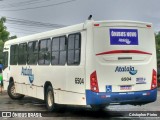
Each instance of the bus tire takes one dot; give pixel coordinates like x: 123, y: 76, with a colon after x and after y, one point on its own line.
x: 12, y: 94
x: 50, y: 99
x: 98, y: 107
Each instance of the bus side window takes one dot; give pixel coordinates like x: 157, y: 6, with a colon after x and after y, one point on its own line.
x: 44, y: 52
x: 22, y: 54
x: 74, y: 49
x: 58, y: 51
x: 32, y: 53
x: 14, y: 54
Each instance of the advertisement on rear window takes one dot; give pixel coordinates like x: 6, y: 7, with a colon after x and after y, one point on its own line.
x: 123, y: 36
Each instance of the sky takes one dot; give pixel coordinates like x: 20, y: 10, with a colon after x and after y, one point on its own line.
x: 25, y: 17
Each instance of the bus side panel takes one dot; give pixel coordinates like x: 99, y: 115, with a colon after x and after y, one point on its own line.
x: 62, y: 78
x: 75, y: 79
x: 39, y: 92
x: 5, y: 84
x: 71, y: 98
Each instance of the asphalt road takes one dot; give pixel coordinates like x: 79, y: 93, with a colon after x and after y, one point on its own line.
x: 74, y: 112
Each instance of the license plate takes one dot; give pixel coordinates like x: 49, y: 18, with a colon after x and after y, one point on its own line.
x: 126, y: 87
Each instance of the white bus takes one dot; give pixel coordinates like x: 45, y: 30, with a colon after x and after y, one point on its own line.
x: 95, y: 63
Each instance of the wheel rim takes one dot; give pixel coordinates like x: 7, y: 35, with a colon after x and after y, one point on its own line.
x: 50, y: 99
x: 13, y: 91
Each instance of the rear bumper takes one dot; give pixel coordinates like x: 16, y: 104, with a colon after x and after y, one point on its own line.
x: 135, y: 98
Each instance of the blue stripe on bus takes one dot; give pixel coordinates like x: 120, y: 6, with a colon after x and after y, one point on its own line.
x: 140, y: 97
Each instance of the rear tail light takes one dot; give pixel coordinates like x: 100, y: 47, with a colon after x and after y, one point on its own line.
x: 154, y: 79
x: 94, y: 82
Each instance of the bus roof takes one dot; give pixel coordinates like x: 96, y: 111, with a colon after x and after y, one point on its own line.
x: 51, y: 33
x: 73, y: 28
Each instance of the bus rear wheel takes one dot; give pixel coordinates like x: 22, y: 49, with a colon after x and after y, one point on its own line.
x: 50, y: 99
x: 12, y: 94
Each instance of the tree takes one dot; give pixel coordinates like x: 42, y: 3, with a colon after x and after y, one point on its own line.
x: 4, y: 35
